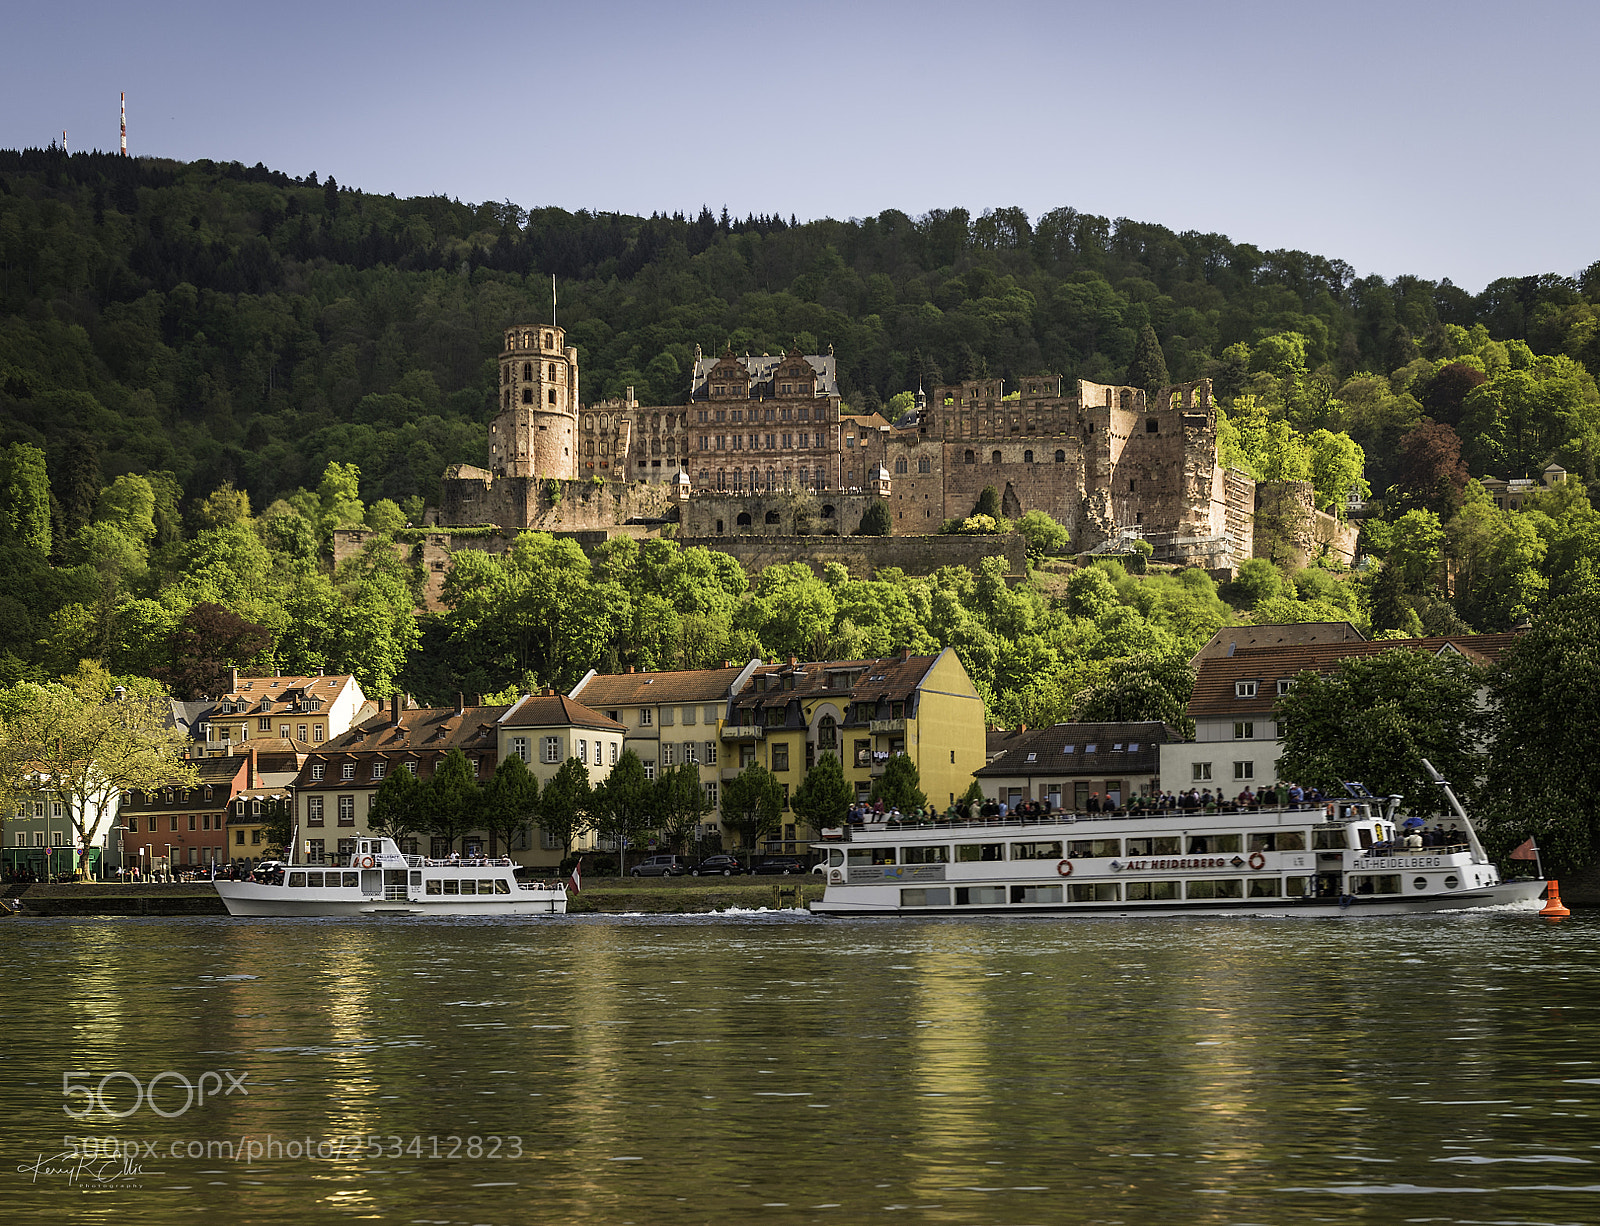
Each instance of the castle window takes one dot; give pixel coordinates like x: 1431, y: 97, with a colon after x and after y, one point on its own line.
x: 1027, y: 457
x: 552, y: 395
x: 547, y: 341
x: 743, y: 521
x: 527, y: 371
x: 508, y: 397
x: 527, y: 395
x: 970, y: 458
x: 1061, y: 457
x: 772, y: 517
x: 1152, y: 426
x: 900, y: 467
x: 995, y: 458
x: 552, y: 372
x: 827, y: 511
x: 1130, y: 485
x: 924, y: 465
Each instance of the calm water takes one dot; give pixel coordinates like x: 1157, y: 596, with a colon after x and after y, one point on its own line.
x: 780, y: 1069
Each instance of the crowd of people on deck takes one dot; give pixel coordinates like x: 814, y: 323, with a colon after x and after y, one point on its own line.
x: 1195, y: 800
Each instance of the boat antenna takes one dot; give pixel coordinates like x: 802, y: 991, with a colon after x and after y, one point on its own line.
x: 1455, y: 804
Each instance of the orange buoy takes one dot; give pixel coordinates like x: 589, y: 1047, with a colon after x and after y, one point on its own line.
x: 1553, y: 910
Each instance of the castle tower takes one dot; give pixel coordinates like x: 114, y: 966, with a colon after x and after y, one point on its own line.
x: 535, y: 432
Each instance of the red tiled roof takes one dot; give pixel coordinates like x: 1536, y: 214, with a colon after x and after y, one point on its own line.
x: 556, y: 711
x: 650, y: 689
x: 1095, y: 749
x: 1215, y: 696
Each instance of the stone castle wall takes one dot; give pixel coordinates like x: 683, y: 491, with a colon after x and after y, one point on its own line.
x: 862, y: 556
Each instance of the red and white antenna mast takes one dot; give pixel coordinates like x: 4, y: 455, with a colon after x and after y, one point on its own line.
x: 124, y: 98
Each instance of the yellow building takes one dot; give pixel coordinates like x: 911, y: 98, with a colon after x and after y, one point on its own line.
x: 304, y: 710
x: 867, y: 711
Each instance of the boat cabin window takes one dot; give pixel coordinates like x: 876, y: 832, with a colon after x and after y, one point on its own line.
x: 1043, y: 850
x: 452, y: 886
x: 1159, y: 845
x: 1094, y: 891
x: 1330, y: 838
x: 925, y: 855
x: 980, y: 853
x: 435, y: 886
x: 315, y: 879
x: 297, y: 880
x: 1264, y: 887
x: 1035, y: 893
x: 1278, y: 840
x: 469, y: 887
x: 1232, y: 888
x: 871, y: 855
x: 980, y: 895
x: 1364, y: 834
x: 1376, y: 883
x: 925, y: 898
x: 1079, y: 849
x: 835, y: 857
x: 350, y: 879
x: 1152, y: 891
x: 1214, y: 844
x: 502, y: 886
x: 1296, y: 887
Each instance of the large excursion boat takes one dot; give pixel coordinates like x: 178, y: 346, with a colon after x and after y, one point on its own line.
x: 381, y: 880
x: 1345, y: 857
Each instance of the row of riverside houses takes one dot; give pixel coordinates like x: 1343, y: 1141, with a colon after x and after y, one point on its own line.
x: 320, y: 745
x: 1239, y: 675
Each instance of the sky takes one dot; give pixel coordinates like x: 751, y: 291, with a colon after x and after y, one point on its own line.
x: 1402, y: 137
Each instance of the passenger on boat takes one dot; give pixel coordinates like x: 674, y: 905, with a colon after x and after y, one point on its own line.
x: 1296, y: 795
x: 1414, y: 841
x: 1247, y: 798
x: 1092, y: 805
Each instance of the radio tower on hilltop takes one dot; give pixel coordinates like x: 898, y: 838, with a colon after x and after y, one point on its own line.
x: 124, y: 98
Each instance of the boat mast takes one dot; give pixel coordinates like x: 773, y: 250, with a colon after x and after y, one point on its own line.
x: 1450, y: 794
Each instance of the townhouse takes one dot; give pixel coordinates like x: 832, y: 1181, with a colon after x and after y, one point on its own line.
x: 306, y: 710
x: 1064, y: 765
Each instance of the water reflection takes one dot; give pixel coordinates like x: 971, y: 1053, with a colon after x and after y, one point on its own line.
x: 694, y: 1069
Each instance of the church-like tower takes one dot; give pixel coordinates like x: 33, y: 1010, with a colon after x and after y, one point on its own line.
x: 535, y: 432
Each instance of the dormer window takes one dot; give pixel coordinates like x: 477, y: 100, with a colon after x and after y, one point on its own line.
x: 1285, y: 684
x: 1244, y: 689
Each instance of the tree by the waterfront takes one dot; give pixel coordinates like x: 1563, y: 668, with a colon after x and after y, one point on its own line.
x: 397, y: 807
x: 900, y: 785
x: 680, y: 805
x: 752, y: 805
x: 1544, y: 776
x: 624, y: 806
x: 1373, y: 718
x: 566, y: 803
x: 824, y: 795
x: 510, y: 803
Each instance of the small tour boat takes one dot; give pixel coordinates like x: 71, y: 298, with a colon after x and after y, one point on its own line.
x: 1343, y: 857
x: 381, y: 880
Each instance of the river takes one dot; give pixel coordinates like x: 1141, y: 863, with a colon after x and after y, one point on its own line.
x: 781, y: 1069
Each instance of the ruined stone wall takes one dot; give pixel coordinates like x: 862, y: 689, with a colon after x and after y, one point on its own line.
x: 471, y: 497
x: 1292, y: 533
x: 864, y: 555
x: 801, y: 514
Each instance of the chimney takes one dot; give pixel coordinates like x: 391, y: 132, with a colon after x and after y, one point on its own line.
x: 793, y: 661
x: 905, y: 654
x: 233, y: 684
x: 252, y: 776
x: 461, y: 703
x: 394, y: 710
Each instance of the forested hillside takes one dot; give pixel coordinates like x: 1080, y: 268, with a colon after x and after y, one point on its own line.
x: 204, y: 368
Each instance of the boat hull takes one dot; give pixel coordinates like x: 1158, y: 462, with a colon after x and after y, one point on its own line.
x: 1510, y: 895
x: 247, y: 898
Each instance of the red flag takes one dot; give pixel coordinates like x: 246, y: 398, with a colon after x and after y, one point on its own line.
x: 1524, y: 851
x: 577, y: 873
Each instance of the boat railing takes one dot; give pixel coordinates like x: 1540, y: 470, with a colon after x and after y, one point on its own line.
x: 1057, y: 817
x: 1380, y: 851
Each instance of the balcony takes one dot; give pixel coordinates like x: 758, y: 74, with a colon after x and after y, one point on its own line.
x: 743, y: 732
x: 887, y: 725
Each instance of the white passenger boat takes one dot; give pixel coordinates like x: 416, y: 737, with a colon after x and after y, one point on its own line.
x: 1345, y: 857
x: 381, y: 880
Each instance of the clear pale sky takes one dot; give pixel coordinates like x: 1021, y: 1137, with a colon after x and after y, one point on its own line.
x: 1439, y: 140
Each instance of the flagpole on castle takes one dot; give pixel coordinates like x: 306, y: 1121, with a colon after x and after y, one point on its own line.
x: 552, y: 300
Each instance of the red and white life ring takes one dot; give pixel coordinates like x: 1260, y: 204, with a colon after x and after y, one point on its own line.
x: 1257, y: 860
x: 1064, y: 868
x: 368, y: 862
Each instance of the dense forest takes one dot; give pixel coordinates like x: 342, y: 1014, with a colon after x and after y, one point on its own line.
x: 206, y: 367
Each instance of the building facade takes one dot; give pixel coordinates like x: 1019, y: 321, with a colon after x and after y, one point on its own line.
x: 1065, y: 765
x: 303, y: 710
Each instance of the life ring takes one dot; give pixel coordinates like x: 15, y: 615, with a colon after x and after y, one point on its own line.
x: 1064, y: 868
x: 368, y: 862
x: 1257, y: 860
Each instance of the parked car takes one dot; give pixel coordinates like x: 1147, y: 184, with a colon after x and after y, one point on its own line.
x: 780, y: 864
x: 723, y: 865
x: 661, y: 866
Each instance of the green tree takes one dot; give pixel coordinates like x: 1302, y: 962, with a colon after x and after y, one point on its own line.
x: 1545, y: 698
x: 1148, y: 369
x: 277, y: 827
x: 900, y: 785
x: 88, y: 739
x: 24, y: 498
x: 510, y: 802
x: 876, y: 521
x: 752, y: 807
x: 1044, y: 536
x: 450, y: 800
x: 680, y: 804
x: 398, y: 807
x: 624, y: 806
x: 1374, y: 717
x: 1138, y: 688
x: 988, y: 503
x: 824, y: 795
x: 224, y: 507
x: 566, y: 803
